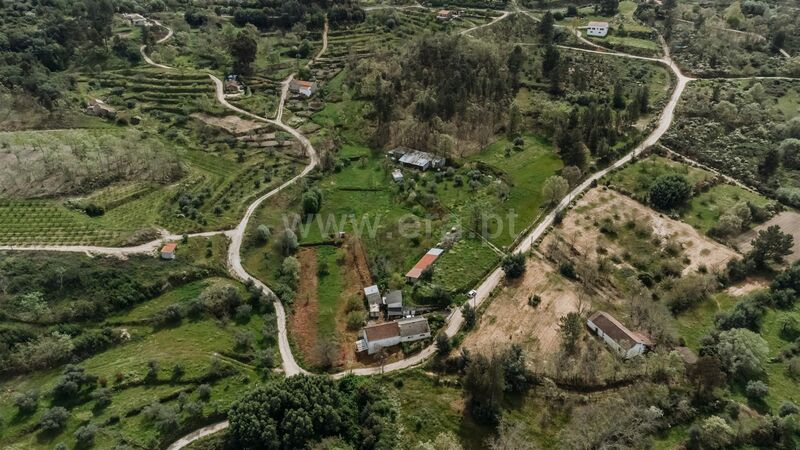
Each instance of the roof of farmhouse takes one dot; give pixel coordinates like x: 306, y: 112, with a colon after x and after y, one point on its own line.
x: 617, y: 331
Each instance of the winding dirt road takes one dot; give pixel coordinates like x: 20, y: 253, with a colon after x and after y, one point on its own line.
x: 160, y: 41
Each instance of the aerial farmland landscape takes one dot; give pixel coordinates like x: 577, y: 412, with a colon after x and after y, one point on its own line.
x: 399, y: 224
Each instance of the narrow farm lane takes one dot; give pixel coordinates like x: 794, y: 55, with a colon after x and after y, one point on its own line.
x: 488, y: 24
x: 143, y: 48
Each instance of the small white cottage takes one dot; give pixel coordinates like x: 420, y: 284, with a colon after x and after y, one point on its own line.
x: 622, y: 340
x: 598, y: 29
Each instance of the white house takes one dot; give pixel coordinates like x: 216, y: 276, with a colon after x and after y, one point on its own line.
x: 397, y: 175
x: 599, y: 29
x: 444, y: 15
x: 388, y: 334
x: 374, y: 300
x: 624, y: 341
x: 136, y: 20
x: 306, y: 88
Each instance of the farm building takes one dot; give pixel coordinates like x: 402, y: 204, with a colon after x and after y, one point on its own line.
x: 599, y: 29
x: 388, y: 334
x: 136, y: 20
x: 444, y: 15
x: 397, y: 175
x: 233, y: 85
x: 306, y: 88
x: 426, y: 261
x: 394, y: 304
x: 168, y: 250
x: 374, y: 300
x: 624, y: 341
x: 417, y: 159
x: 99, y: 108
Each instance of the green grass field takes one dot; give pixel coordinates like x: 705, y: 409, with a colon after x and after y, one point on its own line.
x: 527, y: 171
x: 705, y: 208
x: 329, y: 291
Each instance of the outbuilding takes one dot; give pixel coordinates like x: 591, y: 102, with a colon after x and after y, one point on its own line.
x: 394, y: 304
x: 168, y: 250
x: 444, y: 15
x: 622, y: 340
x: 598, y: 29
x: 426, y: 261
x: 374, y: 301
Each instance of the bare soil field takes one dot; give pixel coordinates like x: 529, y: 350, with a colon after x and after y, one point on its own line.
x: 233, y: 124
x: 747, y: 286
x: 303, y: 320
x: 788, y: 221
x: 579, y: 229
x: 509, y: 319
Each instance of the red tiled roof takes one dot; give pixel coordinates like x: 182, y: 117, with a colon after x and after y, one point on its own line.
x: 169, y: 248
x: 303, y: 83
x: 424, y: 263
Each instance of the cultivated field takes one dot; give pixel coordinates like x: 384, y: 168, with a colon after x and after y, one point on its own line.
x: 581, y: 230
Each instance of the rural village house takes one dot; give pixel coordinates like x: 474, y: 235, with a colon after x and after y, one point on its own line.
x: 99, y: 108
x: 376, y: 337
x: 168, y: 250
x: 305, y: 88
x: 136, y: 20
x: 624, y: 341
x: 599, y: 29
x: 444, y: 15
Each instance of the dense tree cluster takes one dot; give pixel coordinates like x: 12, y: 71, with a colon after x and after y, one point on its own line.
x: 285, y: 14
x: 299, y: 411
x: 39, y: 40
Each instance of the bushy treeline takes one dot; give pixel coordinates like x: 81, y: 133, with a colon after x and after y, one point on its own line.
x: 297, y: 412
x: 286, y: 14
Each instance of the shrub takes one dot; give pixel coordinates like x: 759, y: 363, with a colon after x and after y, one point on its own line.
x: 355, y: 319
x: 788, y: 408
x: 443, y: 345
x: 756, y: 390
x: 669, y: 191
x: 102, y: 398
x: 54, y: 419
x: 204, y: 392
x: 567, y: 269
x: 27, y: 402
x: 243, y: 313
x: 514, y: 265
x: 534, y: 300
x: 84, y: 436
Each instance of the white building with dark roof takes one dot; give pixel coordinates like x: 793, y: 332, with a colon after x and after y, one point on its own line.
x: 388, y: 334
x: 625, y: 342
